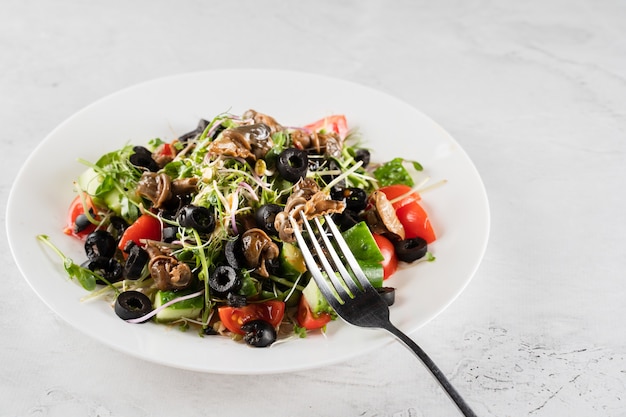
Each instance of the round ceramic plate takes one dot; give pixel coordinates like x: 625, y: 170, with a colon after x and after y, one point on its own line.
x: 168, y: 107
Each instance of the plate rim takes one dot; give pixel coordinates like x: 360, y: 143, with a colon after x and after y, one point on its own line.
x: 135, y: 87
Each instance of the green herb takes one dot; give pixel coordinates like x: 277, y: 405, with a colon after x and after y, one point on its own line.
x: 86, y: 277
x: 118, y: 181
x: 394, y: 172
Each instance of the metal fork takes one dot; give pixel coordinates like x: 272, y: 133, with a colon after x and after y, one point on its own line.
x: 352, y: 296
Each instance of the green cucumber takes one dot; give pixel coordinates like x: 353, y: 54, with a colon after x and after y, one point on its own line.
x: 190, y: 308
x: 291, y: 261
x: 315, y: 299
x: 364, y: 248
x: 90, y: 182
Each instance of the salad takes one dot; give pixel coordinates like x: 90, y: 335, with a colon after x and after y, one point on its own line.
x: 196, y: 231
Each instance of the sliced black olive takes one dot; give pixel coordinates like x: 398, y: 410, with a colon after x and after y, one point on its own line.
x: 236, y: 300
x: 410, y: 250
x: 346, y: 219
x: 388, y: 294
x: 265, y: 216
x: 137, y: 260
x: 132, y: 305
x: 117, y: 226
x: 355, y: 198
x: 362, y: 155
x: 110, y: 269
x: 170, y: 208
x: 234, y: 253
x: 100, y: 243
x: 259, y: 333
x: 333, y: 166
x: 128, y: 246
x: 170, y: 234
x: 316, y: 161
x: 225, y: 279
x: 202, y: 124
x: 272, y: 265
x: 143, y: 158
x: 197, y: 217
x: 292, y: 164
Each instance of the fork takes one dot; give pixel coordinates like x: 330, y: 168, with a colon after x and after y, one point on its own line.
x: 352, y: 296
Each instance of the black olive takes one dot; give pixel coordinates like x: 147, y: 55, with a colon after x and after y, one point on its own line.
x: 334, y: 166
x: 170, y: 208
x: 265, y: 216
x: 110, y: 269
x: 225, y: 279
x: 409, y: 250
x: 292, y: 164
x: 362, y: 155
x: 143, y: 158
x: 132, y: 305
x: 234, y: 253
x: 259, y: 333
x: 272, y: 265
x: 217, y: 131
x: 197, y: 217
x: 236, y: 300
x: 388, y: 294
x: 346, y: 219
x: 355, y: 198
x: 316, y: 161
x: 128, y: 246
x: 100, y: 244
x: 170, y: 234
x: 81, y: 222
x: 117, y: 226
x: 202, y: 124
x: 137, y: 260
x: 209, y: 331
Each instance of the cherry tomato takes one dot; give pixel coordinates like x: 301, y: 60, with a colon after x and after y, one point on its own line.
x: 145, y: 227
x: 415, y: 221
x: 233, y: 318
x: 390, y: 260
x: 308, y: 320
x: 336, y: 123
x: 400, y: 195
x: 78, y: 209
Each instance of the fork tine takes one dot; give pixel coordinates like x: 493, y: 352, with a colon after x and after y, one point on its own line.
x: 321, y: 255
x: 351, y: 284
x: 348, y: 255
x: 324, y: 286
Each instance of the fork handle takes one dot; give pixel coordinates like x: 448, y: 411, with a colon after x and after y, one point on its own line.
x: 434, y: 370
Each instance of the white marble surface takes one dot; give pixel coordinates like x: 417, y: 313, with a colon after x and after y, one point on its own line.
x: 534, y: 91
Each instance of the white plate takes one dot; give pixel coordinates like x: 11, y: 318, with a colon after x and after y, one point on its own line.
x: 171, y: 106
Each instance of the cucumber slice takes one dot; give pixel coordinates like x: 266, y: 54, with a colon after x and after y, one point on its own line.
x: 315, y: 299
x: 90, y: 182
x: 291, y: 261
x: 190, y: 308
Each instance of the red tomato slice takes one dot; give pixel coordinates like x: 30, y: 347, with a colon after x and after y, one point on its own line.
x: 400, y: 195
x: 145, y: 227
x: 308, y: 320
x: 76, y: 209
x: 336, y: 123
x: 415, y: 221
x: 390, y: 260
x: 233, y: 318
